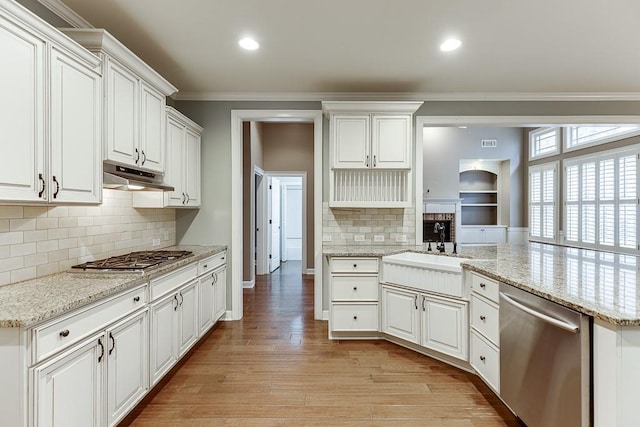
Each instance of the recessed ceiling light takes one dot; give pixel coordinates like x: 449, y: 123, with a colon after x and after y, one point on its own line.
x: 248, y: 43
x: 450, y: 44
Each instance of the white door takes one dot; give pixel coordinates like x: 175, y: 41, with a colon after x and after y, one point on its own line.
x: 292, y: 210
x: 68, y: 389
x: 22, y: 173
x: 187, y: 317
x: 127, y: 365
x: 163, y: 354
x: 76, y: 144
x: 274, y: 223
x: 152, y: 117
x: 400, y: 315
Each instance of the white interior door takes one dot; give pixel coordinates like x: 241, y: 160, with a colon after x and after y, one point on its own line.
x: 274, y: 223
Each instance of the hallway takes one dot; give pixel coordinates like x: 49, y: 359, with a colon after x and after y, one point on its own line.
x: 276, y: 367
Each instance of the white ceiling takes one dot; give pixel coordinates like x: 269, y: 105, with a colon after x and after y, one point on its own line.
x: 364, y: 46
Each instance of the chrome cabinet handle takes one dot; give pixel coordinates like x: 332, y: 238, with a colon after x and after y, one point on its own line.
x: 137, y: 156
x: 101, y: 350
x: 113, y: 343
x: 144, y: 158
x: 483, y: 318
x: 64, y: 333
x: 44, y: 185
x: 57, y: 187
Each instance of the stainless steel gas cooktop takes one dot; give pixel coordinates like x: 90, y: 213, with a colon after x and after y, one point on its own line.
x: 134, y: 261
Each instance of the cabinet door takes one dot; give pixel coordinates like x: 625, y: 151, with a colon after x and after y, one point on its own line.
x: 68, y: 389
x: 163, y: 351
x: 152, y: 117
x: 471, y: 235
x: 174, y: 174
x: 391, y: 142
x: 22, y: 167
x: 187, y: 317
x: 495, y: 235
x: 192, y: 168
x: 220, y: 299
x: 207, y: 295
x: 445, y: 326
x: 351, y: 142
x: 121, y: 115
x: 127, y: 365
x: 76, y: 144
x: 400, y: 314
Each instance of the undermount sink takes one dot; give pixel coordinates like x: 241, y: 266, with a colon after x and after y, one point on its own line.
x: 429, y: 261
x: 428, y: 272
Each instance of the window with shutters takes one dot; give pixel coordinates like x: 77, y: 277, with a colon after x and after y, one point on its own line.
x: 601, y: 200
x: 544, y: 142
x: 543, y: 197
x: 576, y: 137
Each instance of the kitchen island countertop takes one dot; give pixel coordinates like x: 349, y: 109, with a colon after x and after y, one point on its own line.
x: 600, y: 284
x: 27, y: 303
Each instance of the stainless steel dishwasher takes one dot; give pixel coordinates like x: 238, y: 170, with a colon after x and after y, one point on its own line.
x: 545, y: 360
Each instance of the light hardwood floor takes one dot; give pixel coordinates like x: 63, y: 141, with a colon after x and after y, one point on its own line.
x: 276, y: 367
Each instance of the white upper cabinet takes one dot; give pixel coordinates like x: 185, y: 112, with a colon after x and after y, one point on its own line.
x: 135, y: 97
x: 182, y: 169
x: 50, y: 115
x: 351, y: 146
x: 368, y: 135
x: 76, y: 157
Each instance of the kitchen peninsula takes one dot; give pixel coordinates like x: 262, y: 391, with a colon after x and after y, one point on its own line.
x: 599, y: 284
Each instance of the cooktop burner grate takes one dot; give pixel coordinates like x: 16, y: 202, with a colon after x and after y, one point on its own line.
x: 133, y: 261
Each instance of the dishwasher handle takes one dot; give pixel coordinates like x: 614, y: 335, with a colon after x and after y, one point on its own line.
x: 555, y: 322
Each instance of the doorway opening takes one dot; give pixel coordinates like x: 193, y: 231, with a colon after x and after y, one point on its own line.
x: 281, y: 222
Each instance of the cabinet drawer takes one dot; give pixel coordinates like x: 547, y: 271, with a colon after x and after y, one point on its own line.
x: 209, y: 264
x: 354, y: 288
x: 354, y: 265
x: 354, y: 317
x: 484, y: 286
x: 169, y: 282
x: 56, y: 335
x: 484, y: 317
x: 485, y: 359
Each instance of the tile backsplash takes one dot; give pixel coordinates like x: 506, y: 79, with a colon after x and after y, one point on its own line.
x: 344, y: 225
x: 37, y: 241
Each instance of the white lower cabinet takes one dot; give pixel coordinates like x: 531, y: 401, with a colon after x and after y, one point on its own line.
x: 213, y: 298
x: 433, y: 322
x: 220, y: 299
x: 68, y: 389
x: 174, y: 328
x: 127, y: 365
x: 485, y: 330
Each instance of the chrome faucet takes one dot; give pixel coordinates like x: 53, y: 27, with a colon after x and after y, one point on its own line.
x: 439, y: 228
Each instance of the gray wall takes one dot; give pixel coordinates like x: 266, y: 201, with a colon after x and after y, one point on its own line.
x: 445, y: 146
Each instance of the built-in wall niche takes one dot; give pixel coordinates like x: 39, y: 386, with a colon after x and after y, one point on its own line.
x: 484, y: 189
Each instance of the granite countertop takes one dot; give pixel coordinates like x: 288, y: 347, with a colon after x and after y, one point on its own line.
x: 27, y: 303
x: 600, y: 284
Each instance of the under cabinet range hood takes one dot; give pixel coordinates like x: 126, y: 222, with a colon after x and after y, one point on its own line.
x: 124, y: 178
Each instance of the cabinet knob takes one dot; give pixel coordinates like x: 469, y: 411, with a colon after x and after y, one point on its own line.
x: 483, y: 318
x: 355, y: 317
x: 205, y: 266
x: 355, y: 265
x: 355, y: 288
x: 482, y: 285
x: 483, y: 358
x: 64, y: 333
x: 136, y: 299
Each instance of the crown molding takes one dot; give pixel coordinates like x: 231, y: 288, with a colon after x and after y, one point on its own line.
x: 399, y: 96
x: 66, y: 13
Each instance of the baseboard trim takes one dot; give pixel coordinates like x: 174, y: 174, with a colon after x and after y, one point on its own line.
x: 310, y: 271
x: 325, y: 314
x: 249, y: 284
